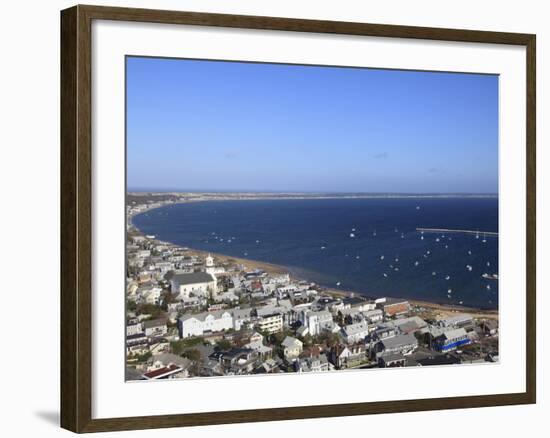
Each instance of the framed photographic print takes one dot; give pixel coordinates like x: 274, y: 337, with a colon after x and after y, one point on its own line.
x: 270, y: 218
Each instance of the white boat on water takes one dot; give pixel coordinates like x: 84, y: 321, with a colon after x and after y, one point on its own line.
x: 385, y: 275
x: 469, y: 267
x: 447, y: 278
x: 381, y: 257
x: 437, y: 239
x: 338, y: 284
x: 416, y: 263
x: 421, y: 237
x: 418, y: 207
x: 351, y: 235
x: 433, y: 273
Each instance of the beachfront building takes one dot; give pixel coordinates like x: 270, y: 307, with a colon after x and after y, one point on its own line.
x: 464, y: 320
x: 393, y: 306
x: 200, y: 284
x: 201, y: 323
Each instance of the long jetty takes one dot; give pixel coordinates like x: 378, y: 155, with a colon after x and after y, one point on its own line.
x: 445, y: 230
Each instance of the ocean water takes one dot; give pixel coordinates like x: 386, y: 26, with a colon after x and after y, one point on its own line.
x: 386, y: 256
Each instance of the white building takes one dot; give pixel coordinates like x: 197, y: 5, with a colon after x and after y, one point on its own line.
x: 271, y: 323
x: 211, y: 268
x: 355, y: 332
x: 198, y: 324
x: 200, y: 284
x: 316, y: 322
x: 292, y: 347
x: 151, y: 296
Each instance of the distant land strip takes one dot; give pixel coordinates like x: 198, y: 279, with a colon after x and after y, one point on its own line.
x: 446, y: 230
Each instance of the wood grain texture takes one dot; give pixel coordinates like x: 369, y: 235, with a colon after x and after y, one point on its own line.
x: 76, y: 219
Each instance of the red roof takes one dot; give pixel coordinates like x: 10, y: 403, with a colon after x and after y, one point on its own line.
x: 163, y: 372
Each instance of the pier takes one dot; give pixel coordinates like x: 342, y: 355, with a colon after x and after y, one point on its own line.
x: 445, y: 230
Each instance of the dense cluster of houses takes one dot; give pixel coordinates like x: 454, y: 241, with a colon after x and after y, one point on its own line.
x: 190, y: 315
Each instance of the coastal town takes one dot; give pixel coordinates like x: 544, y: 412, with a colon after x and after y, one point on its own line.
x: 191, y: 314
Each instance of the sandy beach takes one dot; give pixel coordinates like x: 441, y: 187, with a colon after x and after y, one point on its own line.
x: 252, y: 265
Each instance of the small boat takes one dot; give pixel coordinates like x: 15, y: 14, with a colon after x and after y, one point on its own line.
x: 353, y: 229
x: 357, y: 257
x: 418, y: 207
x: 434, y: 273
x: 381, y: 257
x: 447, y: 277
x: 396, y: 259
x: 490, y: 276
x: 469, y: 267
x: 396, y: 230
x: 488, y: 287
x: 351, y: 235
x: 338, y: 284
x: 449, y: 291
x: 446, y: 246
x: 257, y: 241
x: 416, y: 263
x: 385, y: 275
x: 488, y: 263
x: 437, y: 239
x: 374, y: 233
x: 421, y: 237
x: 323, y: 247
x: 245, y: 253
x: 460, y: 302
x: 428, y: 252
x: 469, y: 252
x: 402, y: 236
x: 391, y: 266
x: 396, y: 269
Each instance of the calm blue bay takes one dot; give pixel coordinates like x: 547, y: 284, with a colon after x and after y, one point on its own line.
x: 370, y: 246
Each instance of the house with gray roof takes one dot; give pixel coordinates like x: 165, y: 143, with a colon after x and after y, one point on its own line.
x: 199, y: 284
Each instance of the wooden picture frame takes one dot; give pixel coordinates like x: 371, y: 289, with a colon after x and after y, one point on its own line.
x: 76, y: 217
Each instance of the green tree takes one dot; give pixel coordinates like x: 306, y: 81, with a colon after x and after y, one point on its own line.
x: 223, y: 345
x: 192, y: 354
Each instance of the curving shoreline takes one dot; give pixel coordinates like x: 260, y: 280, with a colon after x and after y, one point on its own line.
x: 272, y: 268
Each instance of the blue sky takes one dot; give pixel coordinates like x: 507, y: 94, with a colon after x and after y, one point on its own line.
x: 214, y: 125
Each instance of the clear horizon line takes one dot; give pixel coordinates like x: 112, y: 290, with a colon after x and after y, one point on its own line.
x: 308, y: 192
